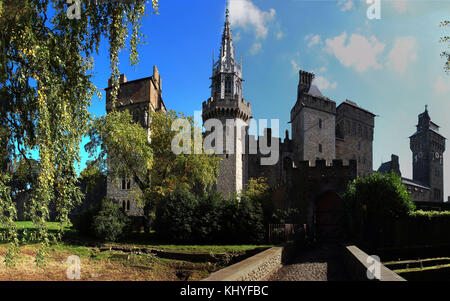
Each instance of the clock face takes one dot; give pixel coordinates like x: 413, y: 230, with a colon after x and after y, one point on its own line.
x: 436, y: 155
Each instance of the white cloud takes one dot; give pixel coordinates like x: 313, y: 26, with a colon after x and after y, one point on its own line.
x: 295, y: 66
x: 255, y: 48
x: 400, y: 5
x: 324, y: 84
x: 313, y: 39
x: 360, y: 52
x: 280, y: 35
x: 442, y: 86
x: 244, y: 13
x: 345, y: 5
x: 237, y: 36
x: 403, y: 52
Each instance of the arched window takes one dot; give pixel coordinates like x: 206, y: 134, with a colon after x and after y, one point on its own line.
x: 228, y: 85
x: 123, y: 205
x: 128, y: 205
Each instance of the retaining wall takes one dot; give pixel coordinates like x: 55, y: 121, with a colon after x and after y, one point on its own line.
x: 257, y: 267
x: 357, y: 266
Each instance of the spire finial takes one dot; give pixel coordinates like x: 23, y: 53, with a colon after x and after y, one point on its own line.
x: 227, y: 11
x: 426, y: 107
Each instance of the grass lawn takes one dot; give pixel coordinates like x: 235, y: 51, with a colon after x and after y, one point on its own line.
x: 100, y: 266
x: 52, y: 226
x: 113, y: 265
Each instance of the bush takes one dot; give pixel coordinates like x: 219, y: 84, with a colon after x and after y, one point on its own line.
x: 243, y: 221
x: 206, y: 224
x: 83, y: 221
x: 110, y: 223
x: 258, y: 191
x: 186, y: 217
x: 175, y: 216
x: 374, y: 201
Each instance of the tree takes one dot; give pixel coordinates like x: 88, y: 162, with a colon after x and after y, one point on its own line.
x: 46, y: 87
x: 24, y: 175
x: 371, y: 201
x: 258, y: 191
x: 125, y: 149
x: 91, y: 176
x: 446, y: 54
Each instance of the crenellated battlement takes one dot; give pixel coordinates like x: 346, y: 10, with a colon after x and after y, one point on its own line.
x: 319, y: 103
x: 213, y: 108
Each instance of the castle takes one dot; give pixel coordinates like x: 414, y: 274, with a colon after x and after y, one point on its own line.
x: 330, y: 145
x: 427, y: 146
x: 320, y: 130
x: 139, y: 97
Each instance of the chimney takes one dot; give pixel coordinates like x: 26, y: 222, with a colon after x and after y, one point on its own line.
x: 395, y: 165
x: 122, y: 79
x: 305, y: 81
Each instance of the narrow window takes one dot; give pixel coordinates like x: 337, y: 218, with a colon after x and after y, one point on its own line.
x: 320, y: 123
x: 128, y: 205
x: 123, y: 205
x: 359, y: 145
x: 128, y: 184
x: 123, y: 184
x: 320, y: 148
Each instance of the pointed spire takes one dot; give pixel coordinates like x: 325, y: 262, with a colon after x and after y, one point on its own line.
x: 227, y: 72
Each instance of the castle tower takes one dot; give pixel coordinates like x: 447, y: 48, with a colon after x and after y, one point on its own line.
x: 139, y: 97
x: 227, y: 105
x: 313, y: 122
x: 354, y: 136
x: 428, y: 147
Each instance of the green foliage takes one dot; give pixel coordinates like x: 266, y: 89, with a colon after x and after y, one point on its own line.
x: 175, y: 218
x: 131, y: 152
x: 25, y: 174
x: 91, y: 176
x: 110, y: 223
x: 372, y: 200
x: 242, y: 221
x: 190, y: 171
x: 46, y: 88
x: 8, y: 214
x: 83, y: 222
x: 257, y: 191
x: 187, y: 217
x: 446, y: 54
x: 429, y: 214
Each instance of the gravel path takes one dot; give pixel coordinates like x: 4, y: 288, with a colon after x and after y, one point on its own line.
x: 318, y: 264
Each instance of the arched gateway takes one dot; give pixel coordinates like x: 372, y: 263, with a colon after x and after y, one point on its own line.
x: 328, y: 217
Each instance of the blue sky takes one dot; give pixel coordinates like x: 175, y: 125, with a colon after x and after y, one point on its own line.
x: 389, y: 66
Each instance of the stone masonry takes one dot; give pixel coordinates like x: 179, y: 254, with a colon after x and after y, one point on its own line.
x: 139, y: 97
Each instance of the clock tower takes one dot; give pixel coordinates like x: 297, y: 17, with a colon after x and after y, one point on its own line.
x: 428, y: 147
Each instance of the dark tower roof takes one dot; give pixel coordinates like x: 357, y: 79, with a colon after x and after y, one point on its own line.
x: 424, y: 123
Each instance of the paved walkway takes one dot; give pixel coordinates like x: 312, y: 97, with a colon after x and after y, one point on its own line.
x: 321, y: 263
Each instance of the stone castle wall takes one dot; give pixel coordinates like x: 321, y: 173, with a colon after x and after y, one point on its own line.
x: 354, y: 141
